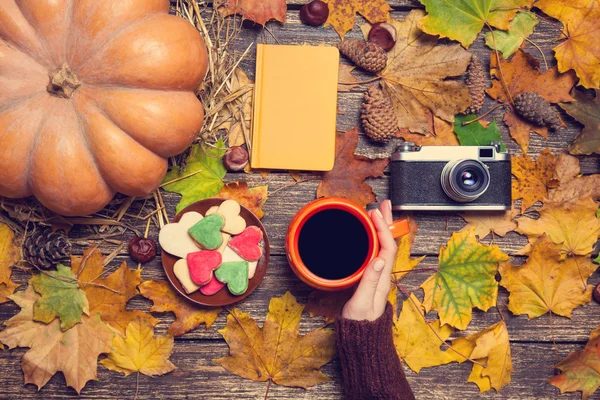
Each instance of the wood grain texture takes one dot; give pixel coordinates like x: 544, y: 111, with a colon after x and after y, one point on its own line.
x: 197, y: 377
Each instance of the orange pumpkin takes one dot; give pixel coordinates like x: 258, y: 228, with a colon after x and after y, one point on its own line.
x: 95, y: 95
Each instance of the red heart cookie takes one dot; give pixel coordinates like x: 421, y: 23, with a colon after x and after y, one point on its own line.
x: 201, y: 265
x: 246, y: 243
x: 211, y: 287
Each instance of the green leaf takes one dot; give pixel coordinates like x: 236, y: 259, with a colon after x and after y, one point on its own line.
x: 509, y: 41
x: 204, y: 174
x: 475, y: 134
x: 466, y: 278
x: 60, y: 297
x: 462, y: 20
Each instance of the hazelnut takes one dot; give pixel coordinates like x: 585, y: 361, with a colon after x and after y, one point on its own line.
x: 314, y: 13
x: 597, y: 293
x: 236, y: 158
x: 384, y: 35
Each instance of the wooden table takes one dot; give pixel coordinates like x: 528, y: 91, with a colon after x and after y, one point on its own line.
x: 197, y: 376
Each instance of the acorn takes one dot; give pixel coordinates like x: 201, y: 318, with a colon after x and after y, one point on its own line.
x: 314, y: 13
x: 383, y: 35
x: 236, y: 158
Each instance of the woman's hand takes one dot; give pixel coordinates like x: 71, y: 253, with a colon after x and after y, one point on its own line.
x: 370, y: 298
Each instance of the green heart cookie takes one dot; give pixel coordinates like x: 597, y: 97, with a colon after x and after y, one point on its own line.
x: 207, y: 231
x: 235, y: 275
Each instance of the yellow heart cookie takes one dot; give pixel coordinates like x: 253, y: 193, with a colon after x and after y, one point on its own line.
x: 230, y: 210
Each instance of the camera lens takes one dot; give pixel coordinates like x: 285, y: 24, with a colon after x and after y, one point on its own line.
x: 465, y: 180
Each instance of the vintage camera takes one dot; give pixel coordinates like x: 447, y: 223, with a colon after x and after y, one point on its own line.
x: 450, y: 178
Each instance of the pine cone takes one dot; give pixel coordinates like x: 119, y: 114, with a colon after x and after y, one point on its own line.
x: 44, y: 248
x: 369, y: 56
x: 536, y: 110
x: 378, y: 115
x: 476, y: 84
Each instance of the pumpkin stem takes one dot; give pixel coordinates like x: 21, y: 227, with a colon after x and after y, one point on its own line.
x: 63, y: 82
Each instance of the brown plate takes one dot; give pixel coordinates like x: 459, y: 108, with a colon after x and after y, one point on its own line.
x: 223, y: 297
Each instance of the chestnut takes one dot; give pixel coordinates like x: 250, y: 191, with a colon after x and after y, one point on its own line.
x: 236, y: 158
x: 142, y: 250
x: 384, y: 35
x: 597, y: 293
x: 314, y: 13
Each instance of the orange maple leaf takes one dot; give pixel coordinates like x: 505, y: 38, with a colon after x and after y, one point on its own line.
x: 441, y: 133
x: 342, y: 13
x: 522, y: 74
x: 347, y: 178
x: 251, y: 198
x: 534, y: 178
x: 259, y: 11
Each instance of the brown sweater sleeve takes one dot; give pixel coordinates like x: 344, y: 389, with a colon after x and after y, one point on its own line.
x: 371, y: 368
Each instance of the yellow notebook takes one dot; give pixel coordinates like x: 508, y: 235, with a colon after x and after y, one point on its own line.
x: 295, y: 107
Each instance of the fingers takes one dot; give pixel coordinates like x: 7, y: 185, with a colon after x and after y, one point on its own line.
x: 369, y: 282
x: 386, y: 211
x: 386, y: 240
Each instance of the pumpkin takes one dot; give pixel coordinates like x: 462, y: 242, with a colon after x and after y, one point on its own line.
x: 95, y: 95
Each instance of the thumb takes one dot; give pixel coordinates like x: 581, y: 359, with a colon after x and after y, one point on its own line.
x: 368, y: 284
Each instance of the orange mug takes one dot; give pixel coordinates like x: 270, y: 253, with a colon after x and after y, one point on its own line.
x: 398, y: 228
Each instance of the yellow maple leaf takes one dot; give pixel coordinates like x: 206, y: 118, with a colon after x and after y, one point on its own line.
x: 108, y: 295
x: 276, y: 352
x: 534, y: 178
x: 415, y: 340
x: 546, y: 283
x: 573, y: 226
x: 486, y: 222
x: 139, y: 351
x: 9, y: 255
x: 491, y: 349
x: 581, y: 49
x: 73, y: 352
x: 342, y: 13
x: 187, y: 316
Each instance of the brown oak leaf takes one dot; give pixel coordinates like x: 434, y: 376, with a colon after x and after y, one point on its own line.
x: 533, y: 178
x: 259, y: 11
x: 342, y: 13
x: 108, y: 295
x: 9, y: 255
x: 346, y: 81
x: 327, y: 304
x: 587, y: 111
x: 347, y: 178
x: 74, y: 352
x: 251, y: 198
x: 187, y: 315
x: 570, y: 185
x: 522, y: 74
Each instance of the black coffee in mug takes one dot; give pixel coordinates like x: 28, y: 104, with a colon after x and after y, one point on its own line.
x: 333, y: 244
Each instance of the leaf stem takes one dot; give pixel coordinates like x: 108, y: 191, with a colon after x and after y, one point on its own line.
x: 292, y: 184
x: 531, y: 42
x: 268, y: 387
x: 415, y: 270
x: 499, y: 65
x: 482, y: 115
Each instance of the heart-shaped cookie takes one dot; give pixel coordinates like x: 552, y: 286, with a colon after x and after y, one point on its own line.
x: 235, y: 275
x: 246, y: 243
x: 174, y: 237
x: 230, y: 210
x: 181, y: 271
x: 212, y: 287
x: 201, y: 265
x: 230, y: 255
x: 207, y: 231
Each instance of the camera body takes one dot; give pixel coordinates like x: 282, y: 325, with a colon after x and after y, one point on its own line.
x: 454, y: 178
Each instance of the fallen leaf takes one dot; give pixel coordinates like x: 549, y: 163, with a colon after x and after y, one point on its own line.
x: 522, y: 74
x: 346, y: 81
x: 491, y: 348
x: 485, y: 222
x: 416, y: 340
x: 509, y: 41
x: 581, y: 369
x: 533, y: 178
x: 60, y: 297
x: 440, y: 133
x: 187, y: 315
x: 546, y: 283
x: 109, y: 295
x: 342, y: 13
x: 347, y: 178
x: 572, y: 226
x: 9, y: 255
x: 587, y: 111
x: 327, y: 304
x: 251, y: 198
x: 202, y: 176
x: 259, y: 11
x: 570, y: 186
x: 140, y: 351
x: 581, y: 49
x: 236, y: 116
x: 74, y: 352
x: 475, y: 134
x: 417, y: 74
x: 462, y: 21
x: 276, y: 352
x: 403, y: 263
x: 465, y: 279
